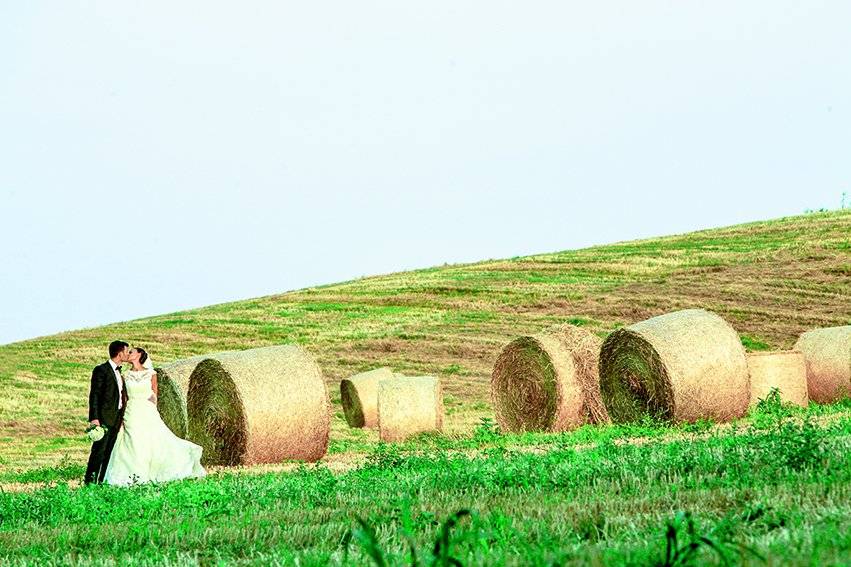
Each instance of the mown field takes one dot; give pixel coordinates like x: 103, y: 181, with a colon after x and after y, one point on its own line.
x: 772, y: 488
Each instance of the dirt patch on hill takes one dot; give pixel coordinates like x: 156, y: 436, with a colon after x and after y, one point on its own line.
x: 775, y: 299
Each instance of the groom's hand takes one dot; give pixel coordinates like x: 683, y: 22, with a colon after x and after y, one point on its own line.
x: 95, y: 422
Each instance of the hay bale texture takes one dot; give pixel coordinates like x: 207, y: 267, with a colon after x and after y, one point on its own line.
x: 784, y: 370
x: 408, y: 405
x: 548, y: 382
x: 828, y: 355
x: 172, y: 390
x: 681, y: 366
x: 262, y: 405
x: 359, y: 396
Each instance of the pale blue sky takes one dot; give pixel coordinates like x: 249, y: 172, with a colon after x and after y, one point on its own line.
x: 158, y: 156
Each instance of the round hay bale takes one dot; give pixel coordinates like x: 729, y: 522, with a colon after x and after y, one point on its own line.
x: 408, y: 405
x: 681, y: 366
x: 359, y: 396
x: 172, y: 389
x: 548, y: 382
x: 828, y: 355
x: 784, y: 370
x: 262, y: 405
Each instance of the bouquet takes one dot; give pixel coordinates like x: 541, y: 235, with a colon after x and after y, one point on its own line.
x: 96, y: 432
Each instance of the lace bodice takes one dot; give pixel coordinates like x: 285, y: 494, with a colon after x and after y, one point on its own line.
x: 138, y: 384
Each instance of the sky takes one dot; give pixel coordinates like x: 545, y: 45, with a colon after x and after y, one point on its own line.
x: 161, y: 156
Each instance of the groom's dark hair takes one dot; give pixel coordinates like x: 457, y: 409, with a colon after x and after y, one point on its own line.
x: 116, y: 347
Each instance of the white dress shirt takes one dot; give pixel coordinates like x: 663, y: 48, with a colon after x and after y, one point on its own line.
x: 117, y: 380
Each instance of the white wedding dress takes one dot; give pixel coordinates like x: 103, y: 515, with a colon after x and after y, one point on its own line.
x: 146, y: 450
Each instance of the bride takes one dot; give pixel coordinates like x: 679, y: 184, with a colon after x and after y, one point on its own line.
x: 146, y: 450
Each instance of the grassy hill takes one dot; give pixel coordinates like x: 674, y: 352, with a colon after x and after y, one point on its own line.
x: 770, y: 279
x: 773, y: 488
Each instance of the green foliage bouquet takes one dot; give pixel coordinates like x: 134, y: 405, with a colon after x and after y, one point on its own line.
x: 96, y: 432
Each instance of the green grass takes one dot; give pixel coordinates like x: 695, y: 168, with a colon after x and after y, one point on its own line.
x: 753, y: 344
x: 782, y: 492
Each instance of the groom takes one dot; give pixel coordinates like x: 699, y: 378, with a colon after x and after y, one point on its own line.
x: 107, y: 398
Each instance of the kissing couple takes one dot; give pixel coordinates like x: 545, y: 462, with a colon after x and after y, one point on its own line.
x: 138, y: 446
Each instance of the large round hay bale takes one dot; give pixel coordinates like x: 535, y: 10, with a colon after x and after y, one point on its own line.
x: 681, y: 366
x: 359, y: 396
x: 828, y: 355
x: 172, y: 389
x: 262, y: 405
x: 784, y: 370
x: 548, y: 382
x: 408, y: 405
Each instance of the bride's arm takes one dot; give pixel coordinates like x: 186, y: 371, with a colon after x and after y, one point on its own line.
x: 153, y: 399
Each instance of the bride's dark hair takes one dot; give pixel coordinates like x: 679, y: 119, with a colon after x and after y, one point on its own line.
x: 144, y: 356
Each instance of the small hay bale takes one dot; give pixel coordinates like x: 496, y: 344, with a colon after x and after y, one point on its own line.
x: 548, y: 382
x: 262, y: 405
x: 828, y: 355
x: 172, y: 389
x: 784, y: 370
x: 359, y: 396
x: 681, y: 366
x: 408, y: 405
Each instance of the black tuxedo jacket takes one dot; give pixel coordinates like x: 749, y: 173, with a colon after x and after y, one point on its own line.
x: 103, y: 397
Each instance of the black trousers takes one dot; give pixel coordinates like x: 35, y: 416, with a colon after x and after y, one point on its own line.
x: 99, y: 457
